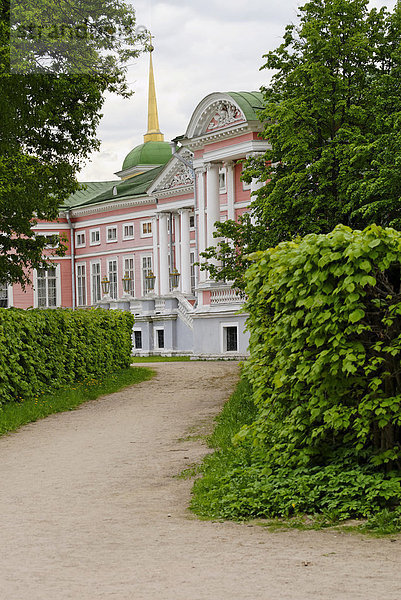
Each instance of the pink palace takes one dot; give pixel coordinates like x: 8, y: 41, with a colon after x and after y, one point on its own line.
x: 142, y: 233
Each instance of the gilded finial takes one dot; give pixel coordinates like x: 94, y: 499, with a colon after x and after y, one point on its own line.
x: 153, y: 134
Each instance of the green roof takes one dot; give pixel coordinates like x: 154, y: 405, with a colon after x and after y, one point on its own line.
x: 149, y: 153
x: 134, y: 186
x: 87, y: 191
x: 249, y: 102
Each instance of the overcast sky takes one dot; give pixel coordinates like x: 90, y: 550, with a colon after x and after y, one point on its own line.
x: 201, y: 46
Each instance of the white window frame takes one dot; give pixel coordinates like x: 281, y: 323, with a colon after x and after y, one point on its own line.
x: 110, y: 228
x: 78, y: 265
x: 143, y: 290
x: 223, y: 188
x: 48, y: 234
x: 80, y: 244
x: 95, y: 262
x: 129, y: 237
x: 130, y: 257
x: 146, y: 235
x: 109, y: 260
x: 92, y: 243
x: 192, y: 227
x: 58, y: 287
x: 223, y: 337
x: 156, y: 337
x: 137, y: 329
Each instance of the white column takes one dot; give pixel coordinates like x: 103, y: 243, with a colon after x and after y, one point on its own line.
x: 185, y: 250
x: 213, y: 201
x: 155, y: 261
x: 163, y: 252
x: 177, y: 243
x: 230, y: 184
x: 200, y: 181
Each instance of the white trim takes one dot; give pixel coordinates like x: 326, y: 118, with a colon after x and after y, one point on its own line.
x: 81, y: 264
x: 95, y: 262
x: 110, y: 206
x: 110, y: 228
x: 146, y: 235
x: 233, y: 152
x: 10, y: 296
x: 80, y: 244
x: 142, y: 256
x: 128, y: 237
x: 97, y: 229
x: 157, y: 328
x: 223, y: 348
x: 116, y: 219
x: 128, y: 257
x: 43, y: 226
x: 114, y: 251
x: 58, y: 287
x: 137, y: 329
x: 245, y: 204
x: 174, y: 206
x: 109, y: 260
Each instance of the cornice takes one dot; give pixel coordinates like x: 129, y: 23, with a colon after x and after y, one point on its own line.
x: 114, y: 205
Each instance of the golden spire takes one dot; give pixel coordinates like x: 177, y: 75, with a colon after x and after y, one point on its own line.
x: 153, y: 134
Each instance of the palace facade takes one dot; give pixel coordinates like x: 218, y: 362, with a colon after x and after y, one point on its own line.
x: 141, y: 234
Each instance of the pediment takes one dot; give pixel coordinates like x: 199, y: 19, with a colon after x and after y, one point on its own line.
x: 176, y: 178
x: 225, y: 114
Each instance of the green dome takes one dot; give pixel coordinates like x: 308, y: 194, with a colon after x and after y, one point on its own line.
x: 150, y: 153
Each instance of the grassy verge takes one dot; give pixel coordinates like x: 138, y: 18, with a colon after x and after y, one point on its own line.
x: 150, y: 359
x: 14, y: 415
x: 232, y: 482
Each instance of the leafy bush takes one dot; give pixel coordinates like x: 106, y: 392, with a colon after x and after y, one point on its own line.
x: 325, y: 349
x: 45, y: 349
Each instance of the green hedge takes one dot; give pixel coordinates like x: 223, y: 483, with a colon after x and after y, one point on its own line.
x: 45, y: 349
x: 325, y: 369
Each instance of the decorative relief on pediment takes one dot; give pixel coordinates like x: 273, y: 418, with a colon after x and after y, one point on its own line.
x: 225, y: 114
x: 181, y: 177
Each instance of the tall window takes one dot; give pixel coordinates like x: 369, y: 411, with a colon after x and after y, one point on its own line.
x: 96, y: 285
x: 111, y: 234
x: 129, y: 268
x: 192, y: 263
x: 146, y: 228
x: 4, y: 296
x: 113, y: 278
x: 146, y: 269
x: 81, y: 284
x: 47, y: 287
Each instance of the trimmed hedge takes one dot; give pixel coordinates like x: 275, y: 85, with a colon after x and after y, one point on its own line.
x: 45, y: 349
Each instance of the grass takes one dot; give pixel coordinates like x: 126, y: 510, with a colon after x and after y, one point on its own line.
x: 150, y: 359
x: 210, y: 496
x: 14, y: 415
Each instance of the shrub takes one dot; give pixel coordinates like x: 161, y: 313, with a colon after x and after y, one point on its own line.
x: 325, y: 348
x: 45, y: 349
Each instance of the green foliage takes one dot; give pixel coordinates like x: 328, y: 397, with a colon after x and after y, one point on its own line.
x: 15, y: 414
x: 51, y: 94
x: 332, y: 116
x: 46, y: 349
x: 325, y: 350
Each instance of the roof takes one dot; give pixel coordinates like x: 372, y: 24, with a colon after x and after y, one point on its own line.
x: 249, y: 102
x: 135, y: 186
x: 149, y: 153
x: 88, y: 191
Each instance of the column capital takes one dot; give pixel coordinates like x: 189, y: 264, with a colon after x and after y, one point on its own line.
x: 229, y: 163
x: 162, y: 215
x: 200, y: 170
x: 209, y: 166
x: 185, y: 210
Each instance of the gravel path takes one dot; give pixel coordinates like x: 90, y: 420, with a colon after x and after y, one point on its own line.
x: 90, y: 510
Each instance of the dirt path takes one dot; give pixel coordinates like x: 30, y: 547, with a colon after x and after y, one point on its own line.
x: 90, y: 509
